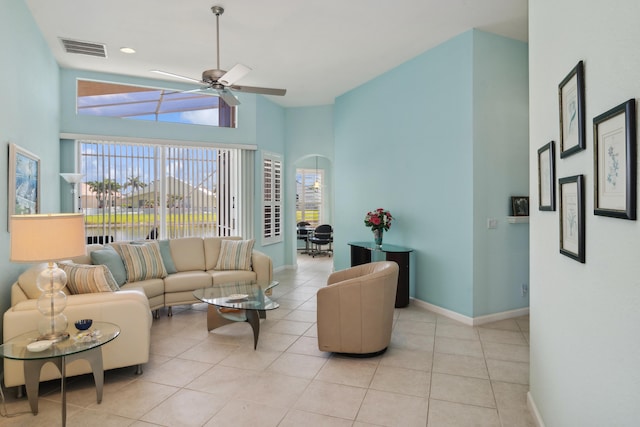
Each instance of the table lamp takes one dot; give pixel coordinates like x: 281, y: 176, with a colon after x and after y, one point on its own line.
x: 48, y: 238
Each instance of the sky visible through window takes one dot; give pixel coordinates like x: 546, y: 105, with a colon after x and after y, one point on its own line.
x: 152, y: 104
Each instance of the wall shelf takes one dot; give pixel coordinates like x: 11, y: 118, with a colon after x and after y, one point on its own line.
x: 518, y: 219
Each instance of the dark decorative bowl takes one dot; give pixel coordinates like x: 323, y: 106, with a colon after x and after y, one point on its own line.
x: 84, y: 324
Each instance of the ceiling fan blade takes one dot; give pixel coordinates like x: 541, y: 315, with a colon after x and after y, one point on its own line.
x: 178, y: 76
x: 259, y: 90
x: 233, y: 75
x: 228, y: 97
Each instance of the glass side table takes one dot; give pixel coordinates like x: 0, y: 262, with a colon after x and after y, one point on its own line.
x: 85, y: 345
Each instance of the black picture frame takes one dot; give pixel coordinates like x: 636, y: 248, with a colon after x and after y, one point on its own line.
x: 547, y: 177
x: 614, y: 162
x: 572, y: 217
x: 572, y: 112
x: 520, y: 205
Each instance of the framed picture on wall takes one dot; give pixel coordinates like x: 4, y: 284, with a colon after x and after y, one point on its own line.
x: 24, y: 183
x: 572, y: 121
x: 547, y: 177
x: 615, y: 166
x: 572, y: 216
x: 520, y: 205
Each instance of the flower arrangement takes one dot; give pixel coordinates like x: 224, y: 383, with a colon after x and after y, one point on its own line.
x: 378, y: 219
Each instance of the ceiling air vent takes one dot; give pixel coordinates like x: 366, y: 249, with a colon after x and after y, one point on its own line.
x: 84, y: 48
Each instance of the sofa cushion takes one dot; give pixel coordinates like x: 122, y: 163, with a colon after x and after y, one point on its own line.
x: 167, y: 259
x: 142, y: 261
x: 28, y: 281
x: 187, y: 281
x: 109, y: 257
x: 86, y: 258
x: 235, y: 255
x: 86, y: 278
x: 188, y: 253
x: 212, y: 249
x: 229, y: 276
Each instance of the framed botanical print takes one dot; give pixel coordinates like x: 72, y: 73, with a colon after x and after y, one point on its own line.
x: 572, y: 227
x: 24, y: 183
x: 572, y: 121
x: 615, y: 165
x: 547, y: 177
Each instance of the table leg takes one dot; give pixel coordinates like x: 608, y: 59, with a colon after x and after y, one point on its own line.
x: 253, y: 318
x: 63, y: 391
x: 94, y: 357
x: 32, y: 377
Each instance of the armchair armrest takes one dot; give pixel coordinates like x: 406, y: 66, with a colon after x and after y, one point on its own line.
x: 263, y: 267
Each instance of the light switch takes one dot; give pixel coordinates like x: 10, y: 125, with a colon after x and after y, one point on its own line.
x: 492, y: 223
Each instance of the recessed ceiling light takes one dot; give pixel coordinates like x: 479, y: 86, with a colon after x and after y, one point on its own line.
x: 127, y: 50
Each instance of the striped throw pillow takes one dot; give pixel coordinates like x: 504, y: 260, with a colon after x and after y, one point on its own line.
x: 142, y: 261
x: 235, y: 255
x: 87, y: 279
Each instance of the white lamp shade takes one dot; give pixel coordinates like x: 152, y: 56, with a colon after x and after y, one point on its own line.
x: 72, y: 178
x: 47, y: 237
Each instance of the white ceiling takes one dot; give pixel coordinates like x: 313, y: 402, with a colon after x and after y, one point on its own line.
x: 316, y: 50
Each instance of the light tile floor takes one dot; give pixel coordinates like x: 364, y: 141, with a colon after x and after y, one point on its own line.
x: 436, y: 372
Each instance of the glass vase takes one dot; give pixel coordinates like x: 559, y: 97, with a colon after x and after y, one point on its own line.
x: 377, y: 236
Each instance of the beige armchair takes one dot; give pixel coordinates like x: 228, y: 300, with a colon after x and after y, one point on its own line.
x: 355, y: 310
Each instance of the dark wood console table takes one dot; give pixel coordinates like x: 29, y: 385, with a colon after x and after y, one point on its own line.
x: 361, y: 254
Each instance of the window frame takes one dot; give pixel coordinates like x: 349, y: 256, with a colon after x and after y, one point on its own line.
x: 272, y: 204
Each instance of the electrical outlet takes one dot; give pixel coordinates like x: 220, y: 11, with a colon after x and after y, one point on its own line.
x: 524, y: 290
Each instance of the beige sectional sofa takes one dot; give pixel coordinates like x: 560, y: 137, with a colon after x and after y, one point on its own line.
x: 194, y: 266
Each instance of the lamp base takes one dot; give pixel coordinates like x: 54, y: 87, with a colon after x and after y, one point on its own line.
x: 54, y: 337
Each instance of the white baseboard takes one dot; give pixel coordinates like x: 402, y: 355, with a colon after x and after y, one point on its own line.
x: 481, y: 320
x: 443, y: 311
x: 533, y: 409
x: 472, y: 321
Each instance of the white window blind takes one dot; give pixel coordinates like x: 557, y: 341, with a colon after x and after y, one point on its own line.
x: 142, y: 191
x: 309, y: 196
x: 271, y: 198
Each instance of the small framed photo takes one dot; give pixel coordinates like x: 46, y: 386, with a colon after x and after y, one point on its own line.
x: 572, y: 121
x: 572, y: 217
x: 547, y: 177
x: 24, y: 183
x: 615, y: 166
x: 520, y: 205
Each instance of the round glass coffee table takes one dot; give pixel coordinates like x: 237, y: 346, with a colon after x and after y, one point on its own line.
x: 237, y: 302
x: 81, y: 345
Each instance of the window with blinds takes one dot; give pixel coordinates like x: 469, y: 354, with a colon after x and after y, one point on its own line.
x: 138, y: 191
x: 309, y: 196
x: 272, y: 198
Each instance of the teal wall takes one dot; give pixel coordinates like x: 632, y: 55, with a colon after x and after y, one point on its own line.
x: 308, y: 133
x: 500, y: 156
x: 29, y: 117
x: 270, y: 121
x: 404, y: 143
x: 414, y: 141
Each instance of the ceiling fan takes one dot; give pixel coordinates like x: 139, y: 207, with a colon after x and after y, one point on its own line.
x: 221, y: 81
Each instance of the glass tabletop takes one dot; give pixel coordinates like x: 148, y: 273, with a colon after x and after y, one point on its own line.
x: 238, y: 295
x: 99, y: 334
